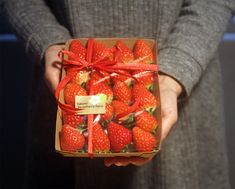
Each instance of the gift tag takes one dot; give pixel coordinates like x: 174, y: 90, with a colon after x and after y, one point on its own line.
x: 92, y: 104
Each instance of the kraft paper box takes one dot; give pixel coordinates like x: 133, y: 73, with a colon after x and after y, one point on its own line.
x: 110, y: 42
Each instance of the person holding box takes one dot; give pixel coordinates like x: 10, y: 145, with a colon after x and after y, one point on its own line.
x: 188, y: 33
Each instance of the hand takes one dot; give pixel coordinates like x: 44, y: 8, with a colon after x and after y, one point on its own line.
x: 53, y: 66
x: 124, y: 161
x: 170, y: 89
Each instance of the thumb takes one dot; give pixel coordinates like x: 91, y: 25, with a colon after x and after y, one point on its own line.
x: 52, y: 75
x: 52, y: 66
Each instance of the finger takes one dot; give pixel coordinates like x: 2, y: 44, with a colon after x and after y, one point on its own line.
x: 122, y: 161
x: 118, y: 161
x: 138, y: 161
x: 109, y: 161
x: 168, y: 122
x: 52, y: 75
x: 52, y: 82
x: 53, y: 66
x: 169, y: 111
x: 57, y: 64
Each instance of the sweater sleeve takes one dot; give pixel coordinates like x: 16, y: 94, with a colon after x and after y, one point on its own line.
x: 194, y: 40
x: 35, y: 25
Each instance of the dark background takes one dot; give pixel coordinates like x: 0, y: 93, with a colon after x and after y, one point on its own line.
x: 16, y: 72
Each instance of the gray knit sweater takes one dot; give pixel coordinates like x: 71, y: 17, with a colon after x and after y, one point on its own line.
x: 188, y: 33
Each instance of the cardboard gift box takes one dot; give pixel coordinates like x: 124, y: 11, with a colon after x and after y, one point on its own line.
x: 87, y: 151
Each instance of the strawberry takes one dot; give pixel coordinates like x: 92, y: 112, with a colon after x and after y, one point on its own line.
x: 71, y: 90
x: 108, y: 113
x: 71, y: 139
x: 122, y: 92
x: 103, y: 88
x: 119, y: 77
x: 142, y: 50
x: 143, y: 140
x: 119, y: 136
x: 123, y: 53
x: 100, y: 139
x: 147, y: 100
x: 145, y: 78
x: 81, y: 77
x: 121, y: 107
x: 77, y: 48
x: 74, y: 120
x: 100, y: 51
x: 145, y: 121
x: 101, y: 76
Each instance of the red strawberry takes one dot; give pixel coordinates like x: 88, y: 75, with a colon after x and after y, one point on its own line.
x: 143, y: 140
x: 71, y: 139
x: 103, y: 88
x: 71, y: 90
x: 122, y: 92
x: 119, y: 77
x: 77, y: 48
x: 108, y: 113
x: 123, y: 53
x: 119, y: 136
x: 145, y: 78
x: 121, y: 107
x: 101, y: 76
x: 81, y: 77
x: 142, y: 50
x: 100, y: 140
x: 147, y: 100
x: 100, y: 51
x: 145, y: 121
x: 73, y: 120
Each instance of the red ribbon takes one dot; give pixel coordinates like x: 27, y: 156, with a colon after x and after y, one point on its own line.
x: 76, y: 63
